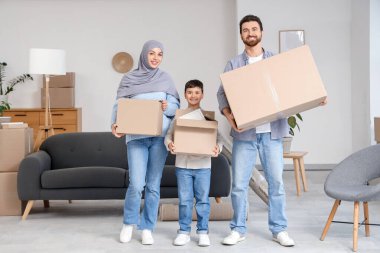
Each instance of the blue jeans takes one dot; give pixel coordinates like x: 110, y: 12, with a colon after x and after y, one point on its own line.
x: 146, y: 160
x: 193, y: 182
x: 244, y: 155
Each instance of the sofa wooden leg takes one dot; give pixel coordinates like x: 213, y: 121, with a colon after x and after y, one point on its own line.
x: 218, y: 200
x: 329, y: 220
x: 27, y: 209
x: 46, y: 203
x: 366, y: 218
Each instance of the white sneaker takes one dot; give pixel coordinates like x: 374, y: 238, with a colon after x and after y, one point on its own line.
x: 233, y: 238
x: 146, y: 237
x: 126, y: 233
x: 204, y: 240
x: 284, y: 239
x: 181, y: 239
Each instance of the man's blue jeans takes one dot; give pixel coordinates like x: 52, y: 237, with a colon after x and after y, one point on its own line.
x: 146, y: 160
x: 193, y: 182
x: 244, y: 155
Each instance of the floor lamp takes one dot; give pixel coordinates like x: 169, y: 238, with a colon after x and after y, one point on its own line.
x: 46, y: 62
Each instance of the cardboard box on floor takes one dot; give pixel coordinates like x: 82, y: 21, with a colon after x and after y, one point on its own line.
x: 64, y: 81
x: 274, y: 88
x: 9, y: 201
x: 15, y: 144
x: 195, y: 137
x: 139, y: 116
x: 59, y: 97
x: 377, y: 129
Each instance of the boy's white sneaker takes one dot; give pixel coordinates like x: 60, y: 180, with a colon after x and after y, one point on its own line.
x: 181, y: 239
x: 146, y: 237
x: 233, y: 238
x: 284, y: 239
x: 204, y: 240
x: 126, y: 233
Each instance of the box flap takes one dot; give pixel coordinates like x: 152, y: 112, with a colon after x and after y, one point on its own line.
x: 206, y: 124
x: 209, y: 115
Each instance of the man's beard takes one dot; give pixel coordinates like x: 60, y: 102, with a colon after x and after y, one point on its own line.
x: 252, y: 43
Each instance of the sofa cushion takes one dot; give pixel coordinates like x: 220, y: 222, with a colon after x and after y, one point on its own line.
x: 84, y: 177
x: 169, y: 179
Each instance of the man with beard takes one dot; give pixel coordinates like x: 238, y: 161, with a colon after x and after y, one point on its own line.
x: 264, y: 140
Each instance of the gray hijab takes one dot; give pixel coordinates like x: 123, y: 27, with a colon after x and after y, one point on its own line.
x: 145, y: 79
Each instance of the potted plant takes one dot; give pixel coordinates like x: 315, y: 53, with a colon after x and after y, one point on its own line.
x: 7, y: 87
x: 292, y: 122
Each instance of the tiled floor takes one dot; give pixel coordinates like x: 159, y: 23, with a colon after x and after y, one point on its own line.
x: 93, y: 226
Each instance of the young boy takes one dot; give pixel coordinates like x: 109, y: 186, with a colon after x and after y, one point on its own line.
x: 193, y: 178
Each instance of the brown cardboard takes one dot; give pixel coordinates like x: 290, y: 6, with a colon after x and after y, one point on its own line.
x: 15, y: 144
x: 138, y: 116
x: 9, y: 201
x: 274, y: 88
x: 59, y: 97
x: 64, y: 81
x: 195, y: 137
x: 377, y: 129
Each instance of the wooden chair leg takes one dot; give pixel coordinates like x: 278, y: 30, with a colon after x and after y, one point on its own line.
x: 27, y: 209
x: 366, y: 218
x: 46, y: 203
x: 329, y: 220
x: 303, y: 174
x: 356, y: 226
x: 296, y: 175
x: 218, y: 200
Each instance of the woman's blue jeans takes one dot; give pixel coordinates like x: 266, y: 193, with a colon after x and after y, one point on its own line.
x: 146, y: 160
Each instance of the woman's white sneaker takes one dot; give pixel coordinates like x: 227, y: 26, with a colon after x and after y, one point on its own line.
x: 284, y: 239
x: 204, y: 240
x: 233, y: 238
x: 146, y: 237
x: 126, y: 233
x: 181, y: 239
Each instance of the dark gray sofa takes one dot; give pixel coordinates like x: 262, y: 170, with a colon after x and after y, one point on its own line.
x: 93, y: 165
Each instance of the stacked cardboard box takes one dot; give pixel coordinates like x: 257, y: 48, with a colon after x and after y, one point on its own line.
x: 61, y: 91
x: 15, y: 144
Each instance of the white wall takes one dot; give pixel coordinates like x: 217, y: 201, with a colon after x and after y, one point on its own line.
x: 196, y: 35
x: 326, y: 131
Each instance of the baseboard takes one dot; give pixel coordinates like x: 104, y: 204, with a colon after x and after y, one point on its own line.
x: 315, y: 167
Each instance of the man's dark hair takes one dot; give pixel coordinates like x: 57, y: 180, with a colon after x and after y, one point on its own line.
x: 194, y: 83
x: 249, y: 18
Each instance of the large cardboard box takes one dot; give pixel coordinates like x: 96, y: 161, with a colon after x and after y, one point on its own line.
x: 15, y: 144
x: 377, y: 130
x: 9, y: 201
x: 59, y: 97
x: 195, y: 137
x: 139, y: 116
x: 274, y: 88
x: 64, y: 81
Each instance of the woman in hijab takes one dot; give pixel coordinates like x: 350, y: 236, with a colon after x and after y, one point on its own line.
x: 146, y: 154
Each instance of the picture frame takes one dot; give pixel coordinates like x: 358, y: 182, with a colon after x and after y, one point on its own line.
x: 289, y: 39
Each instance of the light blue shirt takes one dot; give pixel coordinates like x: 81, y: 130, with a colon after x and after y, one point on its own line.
x: 169, y: 113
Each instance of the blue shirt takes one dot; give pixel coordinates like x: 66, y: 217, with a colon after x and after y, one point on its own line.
x: 168, y: 114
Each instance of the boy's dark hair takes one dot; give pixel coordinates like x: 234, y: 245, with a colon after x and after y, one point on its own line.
x: 194, y: 83
x: 249, y: 18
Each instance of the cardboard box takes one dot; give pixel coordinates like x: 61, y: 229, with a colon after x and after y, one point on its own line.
x: 195, y: 137
x: 15, y: 144
x: 59, y: 97
x: 274, y: 88
x: 377, y: 129
x: 64, y: 81
x: 9, y: 201
x: 139, y: 116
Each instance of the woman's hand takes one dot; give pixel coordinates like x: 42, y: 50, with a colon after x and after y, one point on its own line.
x: 113, y: 128
x: 171, y: 147
x: 216, y: 151
x: 164, y: 104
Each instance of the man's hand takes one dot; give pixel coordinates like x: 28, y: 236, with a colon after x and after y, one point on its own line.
x: 171, y: 147
x: 113, y: 128
x: 231, y: 119
x: 164, y: 104
x: 324, y: 102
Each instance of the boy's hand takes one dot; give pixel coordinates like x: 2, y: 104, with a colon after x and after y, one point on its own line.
x: 164, y: 104
x: 171, y: 147
x: 113, y: 128
x: 215, y: 151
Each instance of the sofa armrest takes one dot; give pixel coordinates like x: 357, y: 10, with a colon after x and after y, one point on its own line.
x: 29, y: 175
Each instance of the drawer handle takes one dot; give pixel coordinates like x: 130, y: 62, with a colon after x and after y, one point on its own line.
x: 20, y: 115
x: 57, y: 114
x: 60, y: 128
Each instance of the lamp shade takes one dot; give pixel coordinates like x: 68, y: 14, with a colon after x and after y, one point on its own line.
x: 47, y: 61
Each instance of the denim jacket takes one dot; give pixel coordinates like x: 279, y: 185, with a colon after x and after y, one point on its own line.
x: 279, y: 128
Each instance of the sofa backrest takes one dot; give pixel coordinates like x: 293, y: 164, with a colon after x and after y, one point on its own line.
x: 86, y: 149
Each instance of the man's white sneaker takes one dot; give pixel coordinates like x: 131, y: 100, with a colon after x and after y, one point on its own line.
x: 204, y: 240
x: 284, y: 239
x: 126, y: 233
x: 233, y: 238
x: 181, y: 239
x: 146, y: 237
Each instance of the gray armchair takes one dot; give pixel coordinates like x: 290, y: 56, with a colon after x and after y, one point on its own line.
x: 349, y: 181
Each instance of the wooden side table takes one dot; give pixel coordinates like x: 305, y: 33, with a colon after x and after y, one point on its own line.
x: 299, y: 168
